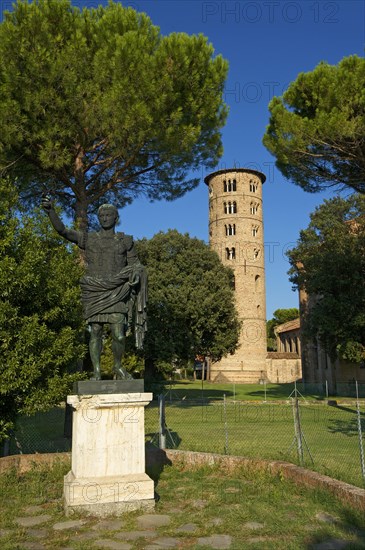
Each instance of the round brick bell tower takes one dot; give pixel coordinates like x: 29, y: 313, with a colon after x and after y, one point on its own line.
x: 236, y: 233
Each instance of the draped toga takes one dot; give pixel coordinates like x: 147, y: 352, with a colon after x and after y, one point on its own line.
x: 114, y: 287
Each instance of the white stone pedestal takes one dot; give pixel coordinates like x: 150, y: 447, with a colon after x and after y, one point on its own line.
x: 107, y: 475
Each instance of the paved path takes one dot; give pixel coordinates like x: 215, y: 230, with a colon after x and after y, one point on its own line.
x: 35, y: 529
x: 152, y: 531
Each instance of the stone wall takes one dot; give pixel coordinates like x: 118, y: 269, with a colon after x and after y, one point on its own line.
x: 156, y: 459
x: 283, y: 368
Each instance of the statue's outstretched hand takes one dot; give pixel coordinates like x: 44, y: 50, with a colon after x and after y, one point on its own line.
x: 46, y: 203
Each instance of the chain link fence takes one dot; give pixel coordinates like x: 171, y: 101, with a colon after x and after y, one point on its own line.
x: 328, y: 439
x: 44, y: 432
x: 352, y: 388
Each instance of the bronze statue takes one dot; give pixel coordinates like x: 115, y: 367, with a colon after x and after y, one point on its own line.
x: 114, y: 287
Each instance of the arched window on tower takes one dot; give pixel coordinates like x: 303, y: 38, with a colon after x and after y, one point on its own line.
x: 229, y: 186
x: 257, y: 282
x: 254, y: 230
x: 230, y: 207
x: 230, y: 229
x: 230, y: 253
x: 254, y: 207
x: 253, y: 186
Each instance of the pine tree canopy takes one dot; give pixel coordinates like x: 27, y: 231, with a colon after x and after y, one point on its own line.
x: 97, y: 105
x: 317, y: 128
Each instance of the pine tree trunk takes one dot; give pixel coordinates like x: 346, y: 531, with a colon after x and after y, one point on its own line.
x: 81, y: 220
x: 150, y: 370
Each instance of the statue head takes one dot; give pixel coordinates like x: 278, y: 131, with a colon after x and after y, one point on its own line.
x: 110, y: 212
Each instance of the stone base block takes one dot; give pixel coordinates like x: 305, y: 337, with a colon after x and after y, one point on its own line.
x: 100, y: 387
x: 108, y: 496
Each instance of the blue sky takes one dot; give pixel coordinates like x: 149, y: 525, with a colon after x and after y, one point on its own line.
x: 267, y: 43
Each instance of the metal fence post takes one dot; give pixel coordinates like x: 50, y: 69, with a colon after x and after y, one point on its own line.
x: 298, y: 430
x: 362, y: 460
x: 162, y: 422
x: 225, y: 425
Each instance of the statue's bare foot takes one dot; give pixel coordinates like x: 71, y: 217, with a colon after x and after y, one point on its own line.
x: 96, y: 375
x: 122, y: 374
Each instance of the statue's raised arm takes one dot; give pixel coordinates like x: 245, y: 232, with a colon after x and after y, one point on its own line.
x: 69, y: 234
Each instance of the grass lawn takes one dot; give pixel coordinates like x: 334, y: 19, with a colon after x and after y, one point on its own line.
x: 250, y: 428
x: 189, y: 389
x: 254, y: 510
x: 266, y: 430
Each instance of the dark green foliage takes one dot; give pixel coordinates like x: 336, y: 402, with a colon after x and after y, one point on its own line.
x: 329, y: 262
x: 97, y: 105
x: 40, y: 317
x: 317, y: 128
x: 280, y: 316
x: 191, y: 302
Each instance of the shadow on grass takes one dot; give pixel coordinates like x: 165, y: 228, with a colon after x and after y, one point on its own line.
x: 156, y: 462
x: 172, y: 439
x: 351, y: 523
x: 195, y: 401
x: 346, y: 427
x: 348, y: 409
x: 192, y: 397
x: 196, y: 395
x: 285, y: 391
